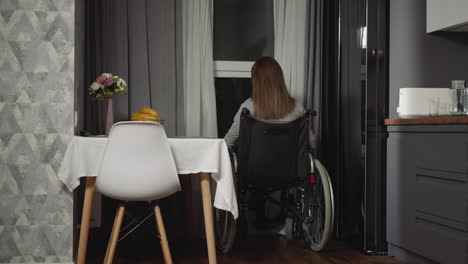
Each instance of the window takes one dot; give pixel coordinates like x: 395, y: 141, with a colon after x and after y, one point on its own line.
x: 230, y: 94
x: 243, y: 32
x: 243, y: 29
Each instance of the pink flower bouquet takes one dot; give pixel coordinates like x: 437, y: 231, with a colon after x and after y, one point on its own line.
x: 106, y: 85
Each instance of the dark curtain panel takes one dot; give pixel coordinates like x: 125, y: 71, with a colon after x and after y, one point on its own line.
x: 93, y: 119
x: 313, y: 93
x: 329, y: 114
x: 79, y: 64
x: 333, y: 92
x: 139, y: 41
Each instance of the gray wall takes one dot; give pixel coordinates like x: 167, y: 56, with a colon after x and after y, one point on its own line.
x: 418, y: 59
x: 36, y: 124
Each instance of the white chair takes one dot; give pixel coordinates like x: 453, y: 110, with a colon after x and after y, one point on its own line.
x: 137, y: 166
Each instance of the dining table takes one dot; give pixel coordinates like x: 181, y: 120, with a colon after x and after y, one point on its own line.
x: 207, y: 157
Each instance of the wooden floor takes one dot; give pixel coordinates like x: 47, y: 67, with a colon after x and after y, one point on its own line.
x: 259, y: 250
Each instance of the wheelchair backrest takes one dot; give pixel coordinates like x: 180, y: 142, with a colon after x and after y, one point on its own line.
x: 272, y: 155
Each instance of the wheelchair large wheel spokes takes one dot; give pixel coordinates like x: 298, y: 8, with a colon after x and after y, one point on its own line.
x: 318, y: 209
x: 225, y: 230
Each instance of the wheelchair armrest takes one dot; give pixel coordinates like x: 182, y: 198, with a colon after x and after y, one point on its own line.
x: 234, y: 161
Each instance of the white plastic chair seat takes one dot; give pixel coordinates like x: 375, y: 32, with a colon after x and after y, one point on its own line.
x: 137, y: 164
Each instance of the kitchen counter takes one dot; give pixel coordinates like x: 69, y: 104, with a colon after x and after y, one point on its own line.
x: 427, y: 183
x: 430, y: 120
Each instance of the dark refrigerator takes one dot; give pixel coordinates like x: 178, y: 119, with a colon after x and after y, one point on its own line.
x: 356, y: 104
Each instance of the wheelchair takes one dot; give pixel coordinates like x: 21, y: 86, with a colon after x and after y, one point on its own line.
x: 272, y: 165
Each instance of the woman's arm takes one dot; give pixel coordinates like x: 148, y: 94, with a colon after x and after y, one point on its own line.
x: 233, y: 133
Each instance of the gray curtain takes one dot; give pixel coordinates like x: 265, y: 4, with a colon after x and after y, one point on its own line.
x: 313, y: 94
x: 139, y: 41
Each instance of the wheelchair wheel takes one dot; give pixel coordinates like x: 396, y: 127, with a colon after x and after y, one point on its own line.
x: 318, y: 209
x: 225, y: 230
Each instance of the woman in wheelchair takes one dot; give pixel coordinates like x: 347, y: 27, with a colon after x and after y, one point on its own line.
x: 270, y: 100
x: 270, y: 142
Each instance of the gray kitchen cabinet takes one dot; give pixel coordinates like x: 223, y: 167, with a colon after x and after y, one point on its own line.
x: 427, y: 193
x: 447, y: 15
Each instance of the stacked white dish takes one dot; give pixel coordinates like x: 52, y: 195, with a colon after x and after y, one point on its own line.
x: 419, y: 102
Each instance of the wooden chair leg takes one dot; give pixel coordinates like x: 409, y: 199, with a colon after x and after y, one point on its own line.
x: 114, y: 235
x: 85, y: 218
x: 162, y: 234
x: 208, y: 216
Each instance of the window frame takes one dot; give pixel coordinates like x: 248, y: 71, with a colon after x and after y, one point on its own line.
x: 232, y: 69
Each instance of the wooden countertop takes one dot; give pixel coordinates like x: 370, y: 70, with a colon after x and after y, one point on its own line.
x: 430, y: 120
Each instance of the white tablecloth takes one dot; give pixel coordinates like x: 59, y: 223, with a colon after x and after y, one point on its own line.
x: 191, y: 155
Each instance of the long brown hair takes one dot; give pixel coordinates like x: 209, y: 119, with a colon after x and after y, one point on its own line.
x: 270, y: 97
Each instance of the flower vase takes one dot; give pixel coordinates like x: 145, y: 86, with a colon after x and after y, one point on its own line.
x: 110, y: 116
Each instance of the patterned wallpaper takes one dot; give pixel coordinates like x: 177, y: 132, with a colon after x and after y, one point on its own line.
x: 36, y: 124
